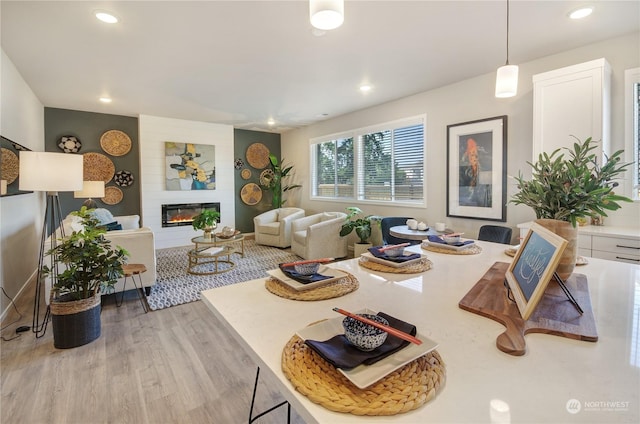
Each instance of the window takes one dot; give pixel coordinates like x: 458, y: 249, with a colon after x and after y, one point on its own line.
x: 381, y: 164
x: 632, y: 94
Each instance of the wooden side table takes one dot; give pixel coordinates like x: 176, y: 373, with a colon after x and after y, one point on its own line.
x: 130, y: 271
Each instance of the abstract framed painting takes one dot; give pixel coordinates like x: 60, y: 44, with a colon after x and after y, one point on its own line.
x: 190, y: 166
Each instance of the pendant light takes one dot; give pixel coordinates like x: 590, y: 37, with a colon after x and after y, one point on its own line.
x: 326, y: 14
x: 507, y: 76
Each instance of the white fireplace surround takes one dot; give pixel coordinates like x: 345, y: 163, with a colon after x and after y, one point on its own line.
x: 153, y: 132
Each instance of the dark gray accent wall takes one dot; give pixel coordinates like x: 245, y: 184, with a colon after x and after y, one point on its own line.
x: 242, y: 140
x: 88, y: 127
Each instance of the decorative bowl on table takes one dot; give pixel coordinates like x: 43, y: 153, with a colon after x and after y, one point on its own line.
x: 395, y: 252
x: 227, y: 232
x: 307, y: 269
x: 364, y: 336
x: 451, y: 239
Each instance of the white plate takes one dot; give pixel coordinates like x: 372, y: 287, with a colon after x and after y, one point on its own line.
x: 365, y: 375
x: 449, y: 246
x: 373, y: 258
x: 335, y: 274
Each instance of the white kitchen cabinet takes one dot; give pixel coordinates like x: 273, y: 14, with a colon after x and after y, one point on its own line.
x: 572, y: 101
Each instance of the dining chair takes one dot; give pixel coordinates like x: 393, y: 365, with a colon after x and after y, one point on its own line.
x: 495, y: 233
x: 392, y: 221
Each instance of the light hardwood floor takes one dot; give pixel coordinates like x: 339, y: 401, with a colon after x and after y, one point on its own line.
x: 175, y: 365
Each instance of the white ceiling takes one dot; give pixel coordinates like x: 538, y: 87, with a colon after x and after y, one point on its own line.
x: 243, y: 62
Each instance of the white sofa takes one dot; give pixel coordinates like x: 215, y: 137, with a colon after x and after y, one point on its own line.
x: 318, y: 236
x: 273, y: 227
x: 139, y: 242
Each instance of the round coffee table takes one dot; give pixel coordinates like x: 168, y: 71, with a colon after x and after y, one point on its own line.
x: 210, y: 255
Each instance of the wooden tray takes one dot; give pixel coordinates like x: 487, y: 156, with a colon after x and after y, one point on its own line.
x: 553, y: 315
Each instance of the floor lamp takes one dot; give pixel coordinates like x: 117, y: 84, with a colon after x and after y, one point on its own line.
x: 90, y: 189
x: 51, y: 173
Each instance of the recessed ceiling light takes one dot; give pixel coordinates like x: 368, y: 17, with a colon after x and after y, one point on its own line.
x: 365, y: 87
x: 106, y: 17
x: 271, y: 122
x: 105, y: 99
x: 583, y: 12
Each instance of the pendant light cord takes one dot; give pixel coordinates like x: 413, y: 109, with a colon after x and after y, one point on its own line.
x: 507, y: 32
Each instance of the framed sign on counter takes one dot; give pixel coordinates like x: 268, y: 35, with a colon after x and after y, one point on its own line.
x: 533, y: 267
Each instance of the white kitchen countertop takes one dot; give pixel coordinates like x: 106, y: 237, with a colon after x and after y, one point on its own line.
x: 603, y: 377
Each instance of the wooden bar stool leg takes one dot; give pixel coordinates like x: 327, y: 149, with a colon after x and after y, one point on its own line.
x: 131, y: 270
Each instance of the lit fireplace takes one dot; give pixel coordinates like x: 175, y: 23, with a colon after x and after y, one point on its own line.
x: 182, y: 214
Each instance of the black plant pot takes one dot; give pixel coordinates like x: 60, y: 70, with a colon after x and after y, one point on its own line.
x: 75, y: 322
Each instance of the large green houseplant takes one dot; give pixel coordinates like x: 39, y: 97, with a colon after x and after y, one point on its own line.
x: 89, y: 265
x: 565, y: 189
x: 275, y: 181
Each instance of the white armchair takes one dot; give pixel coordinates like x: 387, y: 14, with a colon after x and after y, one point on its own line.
x: 318, y: 236
x: 273, y: 227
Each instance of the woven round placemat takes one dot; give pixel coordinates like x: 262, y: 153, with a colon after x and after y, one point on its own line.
x: 336, y: 289
x: 115, y: 142
x: 97, y: 167
x: 472, y: 250
x: 405, y: 389
x: 258, y: 155
x: 112, y: 195
x: 10, y: 165
x: 421, y: 266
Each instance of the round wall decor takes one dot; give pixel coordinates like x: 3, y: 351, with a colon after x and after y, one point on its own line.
x: 258, y: 155
x: 69, y: 144
x: 98, y: 167
x: 112, y: 195
x: 251, y: 194
x: 9, y: 166
x: 115, y: 142
x: 123, y: 178
x: 266, y: 177
x: 245, y: 173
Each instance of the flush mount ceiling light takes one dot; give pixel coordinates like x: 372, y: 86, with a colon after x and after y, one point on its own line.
x: 105, y: 99
x: 507, y: 76
x: 106, y: 17
x: 326, y: 14
x: 365, y: 88
x: 583, y: 12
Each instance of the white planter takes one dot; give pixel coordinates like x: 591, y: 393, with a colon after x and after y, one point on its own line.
x: 360, y: 248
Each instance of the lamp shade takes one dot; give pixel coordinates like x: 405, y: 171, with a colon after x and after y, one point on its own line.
x: 47, y: 171
x: 90, y: 189
x: 507, y: 81
x: 326, y: 14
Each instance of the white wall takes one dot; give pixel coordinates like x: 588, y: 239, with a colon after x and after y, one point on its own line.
x: 154, y: 131
x: 22, y: 121
x: 467, y: 101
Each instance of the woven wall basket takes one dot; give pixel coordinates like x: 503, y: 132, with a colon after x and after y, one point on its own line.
x: 76, y: 322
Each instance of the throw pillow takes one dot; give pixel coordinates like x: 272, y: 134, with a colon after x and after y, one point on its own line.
x: 103, y: 216
x: 113, y: 226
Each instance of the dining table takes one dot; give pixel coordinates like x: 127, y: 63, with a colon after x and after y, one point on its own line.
x: 557, y: 380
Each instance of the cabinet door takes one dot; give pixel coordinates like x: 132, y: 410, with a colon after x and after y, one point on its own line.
x: 571, y: 101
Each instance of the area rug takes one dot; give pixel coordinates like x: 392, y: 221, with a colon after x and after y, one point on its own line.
x: 174, y: 286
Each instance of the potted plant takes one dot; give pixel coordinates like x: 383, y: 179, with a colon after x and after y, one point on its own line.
x: 361, y: 224
x: 90, y: 265
x: 564, y: 190
x: 207, y: 221
x: 274, y: 181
